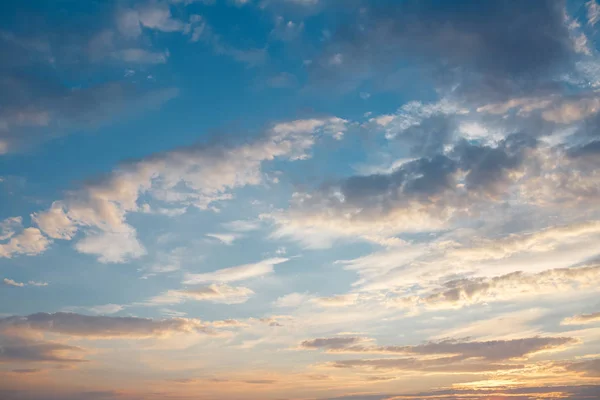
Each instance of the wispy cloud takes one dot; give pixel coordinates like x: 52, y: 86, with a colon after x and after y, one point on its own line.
x: 239, y: 273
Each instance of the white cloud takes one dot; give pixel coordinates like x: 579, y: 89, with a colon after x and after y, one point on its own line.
x: 34, y: 283
x: 112, y: 247
x: 55, y: 223
x: 9, y: 227
x: 341, y: 300
x: 29, y: 242
x: 524, y: 104
x: 463, y: 292
x: 593, y: 12
x: 153, y: 16
x: 552, y: 108
x: 242, y: 272
x: 412, y: 114
x: 214, y: 293
x: 196, y: 176
x: 292, y: 300
x: 383, y: 120
x: 582, y: 319
x: 10, y: 282
x: 106, y: 309
x: 567, y: 112
x: 242, y: 225
x: 464, y: 254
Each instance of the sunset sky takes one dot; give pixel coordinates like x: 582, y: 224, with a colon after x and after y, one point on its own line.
x: 299, y: 199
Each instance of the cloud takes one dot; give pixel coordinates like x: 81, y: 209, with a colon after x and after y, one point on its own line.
x: 414, y: 119
x: 553, y: 108
x: 463, y: 292
x: 225, y: 238
x: 55, y: 223
x: 41, y: 110
x: 204, y: 33
x: 341, y: 300
x: 593, y: 12
x: 233, y: 274
x: 106, y: 309
x: 477, y: 255
x: 79, y: 325
x: 493, y: 350
x: 421, y: 195
x: 242, y: 225
x: 442, y: 364
x: 500, y: 45
x: 34, y: 283
x: 575, y: 392
x: 448, y: 356
x: 330, y: 343
x: 540, y: 241
x: 582, y: 319
x: 140, y: 56
x: 286, y: 30
x: 21, y: 349
x: 587, y: 367
x: 112, y: 247
x: 10, y: 282
x: 58, y: 394
x: 26, y: 371
x: 194, y: 176
x: 152, y: 16
x: 219, y: 294
x: 282, y: 81
x: 9, y: 227
x: 292, y: 300
x: 37, y: 104
x: 29, y: 242
x: 214, y: 293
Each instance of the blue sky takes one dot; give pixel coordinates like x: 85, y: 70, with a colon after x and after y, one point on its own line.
x: 299, y: 199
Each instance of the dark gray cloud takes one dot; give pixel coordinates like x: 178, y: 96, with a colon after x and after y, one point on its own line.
x: 589, y: 150
x: 487, y: 166
x: 498, y: 46
x: 260, y: 382
x: 21, y: 349
x: 26, y: 371
x: 587, y: 367
x: 431, y: 181
x: 10, y: 394
x: 415, y: 179
x: 330, y: 343
x: 493, y: 350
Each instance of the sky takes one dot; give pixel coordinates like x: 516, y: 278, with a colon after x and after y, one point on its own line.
x: 299, y: 199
